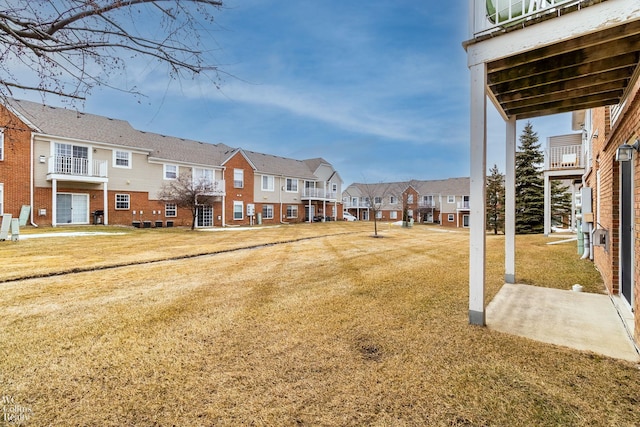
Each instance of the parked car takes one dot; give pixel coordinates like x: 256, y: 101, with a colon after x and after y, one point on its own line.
x: 348, y: 217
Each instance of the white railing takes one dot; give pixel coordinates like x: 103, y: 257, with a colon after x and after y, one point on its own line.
x: 564, y: 157
x: 78, y: 166
x: 464, y: 205
x: 214, y: 188
x: 489, y: 15
x: 360, y: 204
x: 318, y: 193
x: 423, y: 204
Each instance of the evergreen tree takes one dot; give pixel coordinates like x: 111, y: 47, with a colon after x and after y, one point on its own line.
x: 529, y: 184
x: 495, y: 200
x: 560, y: 204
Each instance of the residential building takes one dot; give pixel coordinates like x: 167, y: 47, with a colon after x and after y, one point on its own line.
x: 444, y: 202
x: 69, y: 167
x: 539, y: 58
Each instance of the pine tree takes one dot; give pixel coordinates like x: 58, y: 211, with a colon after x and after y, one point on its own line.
x: 529, y: 184
x: 495, y: 200
x: 560, y: 204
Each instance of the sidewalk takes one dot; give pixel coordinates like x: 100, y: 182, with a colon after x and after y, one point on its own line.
x: 579, y: 320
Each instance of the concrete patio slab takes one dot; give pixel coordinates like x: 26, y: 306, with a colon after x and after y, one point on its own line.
x: 579, y: 320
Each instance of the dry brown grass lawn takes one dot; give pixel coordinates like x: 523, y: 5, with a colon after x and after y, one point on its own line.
x: 332, y: 328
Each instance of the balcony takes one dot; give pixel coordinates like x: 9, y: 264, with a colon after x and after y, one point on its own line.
x: 213, y: 188
x: 318, y: 194
x: 498, y: 15
x: 564, y: 157
x: 426, y: 205
x: 463, y: 206
x: 346, y: 204
x: 79, y: 169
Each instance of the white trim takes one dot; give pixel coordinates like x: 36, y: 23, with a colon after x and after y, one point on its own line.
x: 241, y: 204
x: 271, y: 181
x: 116, y: 201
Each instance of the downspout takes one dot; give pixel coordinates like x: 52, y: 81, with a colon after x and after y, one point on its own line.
x: 31, y: 185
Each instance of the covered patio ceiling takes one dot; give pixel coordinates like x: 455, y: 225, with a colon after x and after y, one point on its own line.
x: 589, y: 71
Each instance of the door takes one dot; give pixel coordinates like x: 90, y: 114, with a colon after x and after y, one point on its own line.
x: 72, y: 208
x: 309, y: 213
x: 626, y: 231
x: 204, y: 216
x: 465, y: 220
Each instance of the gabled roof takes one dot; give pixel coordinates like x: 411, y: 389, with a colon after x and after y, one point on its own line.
x: 275, y: 165
x: 450, y: 186
x: 66, y: 123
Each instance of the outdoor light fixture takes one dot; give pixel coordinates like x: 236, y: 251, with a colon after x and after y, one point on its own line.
x: 624, y: 153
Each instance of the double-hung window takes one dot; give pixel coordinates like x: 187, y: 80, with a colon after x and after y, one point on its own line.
x: 267, y: 211
x: 123, y: 201
x: 238, y: 210
x: 170, y: 210
x: 451, y: 199
x: 292, y: 211
x: 238, y: 178
x: 122, y: 159
x: 170, y: 171
x: 377, y: 200
x: 292, y: 185
x: 267, y: 183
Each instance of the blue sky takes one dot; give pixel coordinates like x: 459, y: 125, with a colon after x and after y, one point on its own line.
x: 378, y: 88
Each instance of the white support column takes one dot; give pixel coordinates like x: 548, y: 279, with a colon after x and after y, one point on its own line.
x: 54, y: 205
x: 224, y: 198
x: 547, y: 205
x: 477, y: 219
x: 510, y: 204
x: 105, y: 203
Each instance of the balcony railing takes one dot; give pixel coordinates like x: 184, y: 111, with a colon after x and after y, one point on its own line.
x: 564, y: 157
x: 489, y: 15
x: 77, y: 166
x: 350, y: 204
x: 425, y: 204
x: 214, y: 188
x: 465, y: 205
x: 318, y: 193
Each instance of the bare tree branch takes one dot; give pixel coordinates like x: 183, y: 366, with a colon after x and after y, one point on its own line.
x: 71, y: 46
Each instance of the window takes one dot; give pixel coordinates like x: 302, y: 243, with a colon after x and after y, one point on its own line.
x: 203, y: 176
x: 427, y: 200
x: 292, y: 185
x: 393, y: 200
x: 334, y: 187
x: 121, y: 159
x: 450, y: 218
x: 1, y: 198
x: 267, y: 183
x: 122, y: 201
x: 409, y: 198
x: 451, y: 199
x: 238, y: 210
x: 379, y: 215
x: 377, y: 200
x: 393, y: 215
x: 170, y: 171
x: 238, y: 178
x: 267, y: 211
x: 354, y: 201
x: 292, y: 211
x: 1, y: 144
x: 170, y: 210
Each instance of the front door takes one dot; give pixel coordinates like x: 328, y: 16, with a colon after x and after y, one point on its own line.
x: 309, y: 212
x: 626, y: 231
x: 72, y: 208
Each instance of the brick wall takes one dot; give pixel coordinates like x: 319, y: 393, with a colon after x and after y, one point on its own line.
x: 16, y: 166
x: 625, y: 129
x: 244, y: 195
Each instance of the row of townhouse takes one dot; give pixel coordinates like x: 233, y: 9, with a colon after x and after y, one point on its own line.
x: 60, y: 166
x: 444, y: 202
